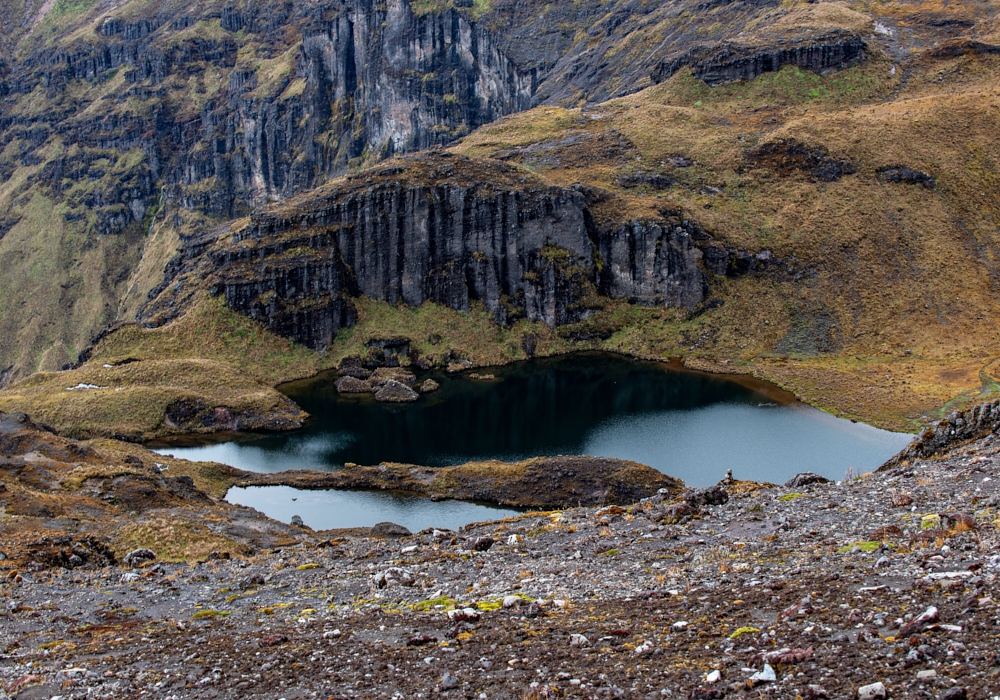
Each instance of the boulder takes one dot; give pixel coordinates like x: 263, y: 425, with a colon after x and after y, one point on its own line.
x: 383, y: 374
x: 804, y: 479
x: 353, y: 385
x: 388, y: 529
x: 712, y: 496
x: 393, y: 391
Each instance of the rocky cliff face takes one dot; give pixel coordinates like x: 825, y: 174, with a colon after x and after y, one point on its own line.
x: 716, y: 64
x: 450, y: 230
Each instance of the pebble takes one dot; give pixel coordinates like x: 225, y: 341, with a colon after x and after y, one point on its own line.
x: 767, y: 675
x: 872, y: 691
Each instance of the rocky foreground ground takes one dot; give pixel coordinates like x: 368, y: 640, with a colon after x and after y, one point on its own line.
x: 882, y: 586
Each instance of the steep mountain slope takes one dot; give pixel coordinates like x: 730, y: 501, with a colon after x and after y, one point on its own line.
x: 805, y: 191
x: 113, y: 112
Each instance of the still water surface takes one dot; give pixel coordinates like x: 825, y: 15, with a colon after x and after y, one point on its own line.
x: 691, y: 425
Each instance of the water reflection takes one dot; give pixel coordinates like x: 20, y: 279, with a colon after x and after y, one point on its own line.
x: 325, y: 510
x: 691, y: 425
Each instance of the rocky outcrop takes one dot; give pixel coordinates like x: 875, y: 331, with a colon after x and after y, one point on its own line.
x: 786, y: 156
x: 653, y: 263
x: 958, y: 428
x: 900, y: 173
x: 725, y: 63
x: 452, y: 230
x: 542, y: 482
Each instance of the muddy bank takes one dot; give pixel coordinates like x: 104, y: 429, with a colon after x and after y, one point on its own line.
x: 541, y: 482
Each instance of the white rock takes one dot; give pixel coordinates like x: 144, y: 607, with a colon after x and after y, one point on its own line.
x: 765, y: 676
x: 411, y: 548
x: 714, y: 677
x: 926, y: 675
x: 679, y: 625
x: 873, y: 691
x: 578, y: 640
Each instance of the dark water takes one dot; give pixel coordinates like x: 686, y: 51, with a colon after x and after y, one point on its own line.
x: 691, y: 425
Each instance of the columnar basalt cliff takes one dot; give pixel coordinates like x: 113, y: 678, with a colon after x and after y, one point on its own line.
x: 446, y: 229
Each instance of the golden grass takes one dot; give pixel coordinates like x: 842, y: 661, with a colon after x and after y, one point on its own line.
x: 174, y: 539
x: 132, y: 399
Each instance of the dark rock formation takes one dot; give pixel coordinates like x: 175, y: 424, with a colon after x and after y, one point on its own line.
x: 725, y: 63
x: 959, y: 427
x: 805, y: 479
x: 785, y: 156
x: 395, y: 392
x: 711, y: 496
x: 900, y: 173
x: 388, y: 529
x: 450, y: 230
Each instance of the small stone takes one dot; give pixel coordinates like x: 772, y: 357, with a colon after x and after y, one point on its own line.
x: 883, y: 561
x: 926, y: 675
x: 767, y: 675
x: 956, y: 693
x: 273, y: 640
x: 714, y: 677
x: 885, y: 532
x: 925, y: 618
x: 872, y: 691
x: 464, y: 615
x: 805, y: 479
x: 449, y: 681
x: 297, y: 521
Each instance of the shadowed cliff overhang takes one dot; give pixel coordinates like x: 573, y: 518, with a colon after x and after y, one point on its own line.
x: 728, y: 62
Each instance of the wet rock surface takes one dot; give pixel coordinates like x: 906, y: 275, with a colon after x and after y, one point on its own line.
x: 583, y: 602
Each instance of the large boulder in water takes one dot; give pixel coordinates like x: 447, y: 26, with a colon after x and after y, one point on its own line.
x: 396, y: 392
x: 353, y: 385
